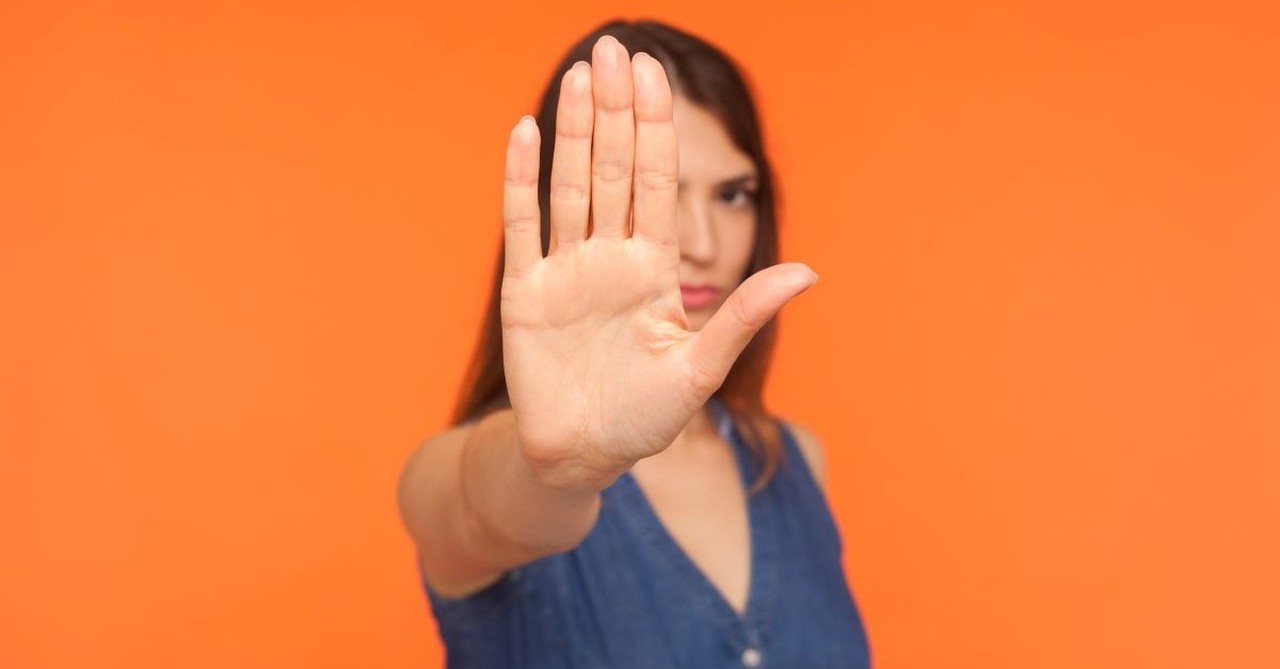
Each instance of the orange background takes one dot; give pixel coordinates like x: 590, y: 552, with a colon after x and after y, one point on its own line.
x: 245, y: 249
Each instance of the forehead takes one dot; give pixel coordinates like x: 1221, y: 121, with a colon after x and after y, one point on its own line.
x: 707, y: 154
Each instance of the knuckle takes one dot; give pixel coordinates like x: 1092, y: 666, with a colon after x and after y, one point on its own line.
x: 515, y: 271
x: 702, y: 382
x: 611, y: 170
x: 573, y: 132
x: 615, y: 104
x: 740, y: 313
x: 521, y: 222
x: 568, y: 192
x: 656, y: 179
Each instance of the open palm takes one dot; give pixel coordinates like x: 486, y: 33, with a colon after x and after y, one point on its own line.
x: 601, y: 366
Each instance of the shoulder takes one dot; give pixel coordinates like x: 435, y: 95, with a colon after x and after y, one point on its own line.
x: 812, y: 449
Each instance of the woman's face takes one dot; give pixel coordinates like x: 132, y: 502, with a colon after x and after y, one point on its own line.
x: 717, y: 211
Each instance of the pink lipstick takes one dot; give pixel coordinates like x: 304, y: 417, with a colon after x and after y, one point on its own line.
x: 697, y: 296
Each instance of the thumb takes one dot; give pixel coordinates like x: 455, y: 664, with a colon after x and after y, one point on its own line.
x: 732, y: 326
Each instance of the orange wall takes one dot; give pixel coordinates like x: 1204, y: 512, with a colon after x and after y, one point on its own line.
x: 243, y: 253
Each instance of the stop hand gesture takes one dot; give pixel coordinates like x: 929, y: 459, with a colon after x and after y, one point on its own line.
x: 601, y: 367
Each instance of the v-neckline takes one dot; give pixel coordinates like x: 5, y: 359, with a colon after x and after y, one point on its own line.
x: 759, y: 576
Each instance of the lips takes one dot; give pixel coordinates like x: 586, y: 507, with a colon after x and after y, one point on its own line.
x: 697, y: 296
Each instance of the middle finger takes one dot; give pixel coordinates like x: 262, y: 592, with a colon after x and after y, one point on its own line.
x: 613, y: 147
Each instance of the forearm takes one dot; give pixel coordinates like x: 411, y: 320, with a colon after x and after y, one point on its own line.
x: 521, y: 510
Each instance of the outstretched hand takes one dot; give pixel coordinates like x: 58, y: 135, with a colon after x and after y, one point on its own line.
x: 601, y: 366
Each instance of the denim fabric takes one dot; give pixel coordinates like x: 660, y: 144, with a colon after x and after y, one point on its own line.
x: 629, y: 597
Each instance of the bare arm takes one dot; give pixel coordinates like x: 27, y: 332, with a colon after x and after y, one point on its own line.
x: 600, y: 365
x: 476, y: 505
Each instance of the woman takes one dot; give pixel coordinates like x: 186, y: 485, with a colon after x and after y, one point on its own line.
x: 613, y: 492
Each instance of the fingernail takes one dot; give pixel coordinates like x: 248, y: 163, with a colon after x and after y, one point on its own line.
x: 608, y: 53
x: 642, y: 73
x: 526, y: 126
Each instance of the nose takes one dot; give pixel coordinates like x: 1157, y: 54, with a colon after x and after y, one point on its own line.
x: 696, y: 233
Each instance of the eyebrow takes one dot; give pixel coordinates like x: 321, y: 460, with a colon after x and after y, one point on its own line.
x: 733, y: 182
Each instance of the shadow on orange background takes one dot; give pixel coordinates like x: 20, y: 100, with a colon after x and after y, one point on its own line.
x: 244, y: 252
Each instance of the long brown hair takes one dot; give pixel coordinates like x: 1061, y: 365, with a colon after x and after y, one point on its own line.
x: 707, y: 77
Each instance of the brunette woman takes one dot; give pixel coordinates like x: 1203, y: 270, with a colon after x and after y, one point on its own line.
x: 613, y: 492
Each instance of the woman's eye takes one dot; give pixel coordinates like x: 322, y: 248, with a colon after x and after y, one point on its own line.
x: 738, y: 197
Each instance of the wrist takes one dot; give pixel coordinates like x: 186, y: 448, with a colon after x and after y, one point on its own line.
x: 566, y: 471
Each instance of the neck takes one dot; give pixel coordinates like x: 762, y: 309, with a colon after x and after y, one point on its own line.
x: 696, y: 434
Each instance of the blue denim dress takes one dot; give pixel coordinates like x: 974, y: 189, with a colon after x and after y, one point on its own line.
x: 629, y: 596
